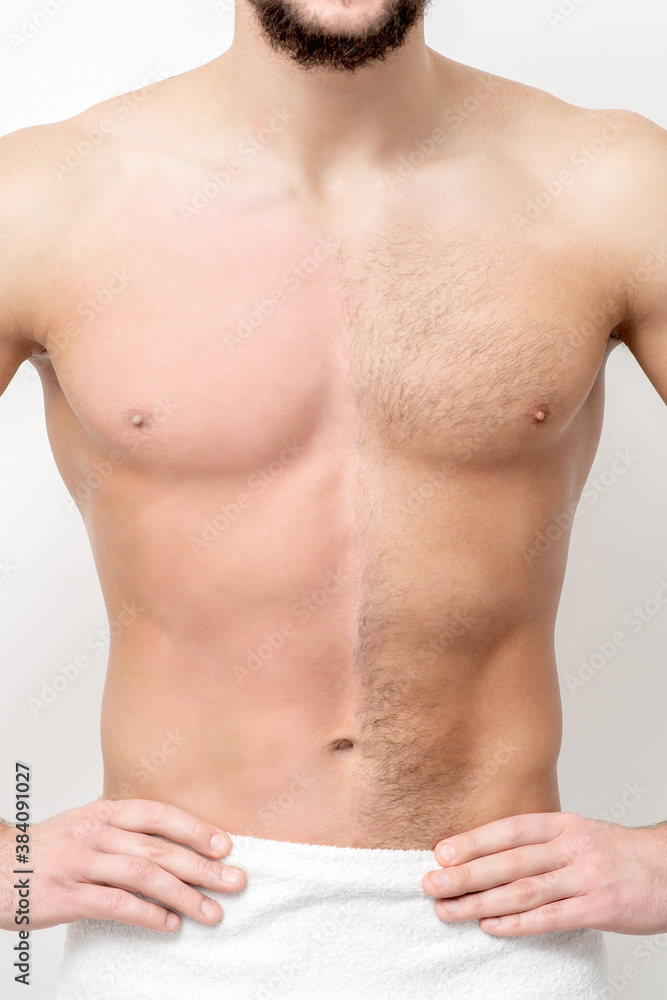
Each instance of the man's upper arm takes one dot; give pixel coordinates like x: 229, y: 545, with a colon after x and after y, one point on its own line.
x: 637, y: 232
x: 21, y: 202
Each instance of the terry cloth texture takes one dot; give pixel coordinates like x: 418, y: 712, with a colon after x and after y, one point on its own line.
x: 327, y: 923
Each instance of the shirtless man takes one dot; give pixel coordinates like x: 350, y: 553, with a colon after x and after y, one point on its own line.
x: 322, y: 328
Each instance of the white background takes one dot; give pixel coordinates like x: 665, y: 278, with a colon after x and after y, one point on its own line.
x: 607, y: 54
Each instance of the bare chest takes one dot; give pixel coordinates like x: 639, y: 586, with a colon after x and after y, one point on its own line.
x: 211, y: 345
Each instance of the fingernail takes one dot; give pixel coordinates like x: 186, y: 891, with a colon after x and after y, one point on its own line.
x: 218, y: 842
x: 451, y: 905
x: 440, y: 880
x: 493, y: 921
x: 230, y: 875
x: 447, y: 852
x: 172, y: 920
x: 209, y: 908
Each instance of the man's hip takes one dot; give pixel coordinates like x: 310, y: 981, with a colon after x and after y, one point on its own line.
x: 336, y: 923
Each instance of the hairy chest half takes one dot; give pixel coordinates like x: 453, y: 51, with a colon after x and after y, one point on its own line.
x: 213, y: 344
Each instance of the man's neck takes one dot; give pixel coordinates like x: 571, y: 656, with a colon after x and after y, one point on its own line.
x: 337, y: 122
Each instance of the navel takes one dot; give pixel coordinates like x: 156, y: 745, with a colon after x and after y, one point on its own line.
x: 342, y: 745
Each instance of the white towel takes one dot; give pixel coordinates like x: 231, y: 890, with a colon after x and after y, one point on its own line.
x: 328, y: 923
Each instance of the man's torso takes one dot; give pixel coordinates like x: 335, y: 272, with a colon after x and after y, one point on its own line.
x: 328, y: 456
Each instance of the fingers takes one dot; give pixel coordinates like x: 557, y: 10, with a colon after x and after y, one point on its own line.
x: 561, y: 915
x: 147, y: 816
x: 518, y: 897
x: 501, y: 835
x: 185, y: 864
x: 494, y: 870
x: 136, y: 874
x: 108, y: 903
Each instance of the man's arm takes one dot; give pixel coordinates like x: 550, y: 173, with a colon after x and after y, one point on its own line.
x: 15, y: 344
x: 14, y: 349
x: 638, y: 242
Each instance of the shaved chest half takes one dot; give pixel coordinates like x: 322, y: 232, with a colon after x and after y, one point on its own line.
x: 246, y: 343
x: 208, y: 344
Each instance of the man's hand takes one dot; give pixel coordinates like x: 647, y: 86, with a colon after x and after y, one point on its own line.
x: 88, y: 862
x: 544, y: 872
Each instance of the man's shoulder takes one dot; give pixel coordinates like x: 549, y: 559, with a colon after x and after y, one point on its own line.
x: 79, y: 165
x: 618, y: 143
x: 53, y: 177
x: 538, y: 120
x: 604, y: 178
x: 630, y: 152
x: 617, y: 182
x: 591, y: 179
x: 42, y: 157
x: 610, y: 163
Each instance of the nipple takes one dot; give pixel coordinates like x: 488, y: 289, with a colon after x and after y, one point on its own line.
x: 539, y: 414
x: 138, y: 420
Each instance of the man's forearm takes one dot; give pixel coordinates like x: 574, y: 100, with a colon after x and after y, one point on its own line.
x: 6, y: 880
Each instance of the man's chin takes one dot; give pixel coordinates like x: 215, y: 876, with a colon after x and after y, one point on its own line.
x: 332, y: 36
x: 335, y: 18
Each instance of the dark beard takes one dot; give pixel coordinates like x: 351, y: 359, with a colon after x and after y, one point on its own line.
x: 286, y: 32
